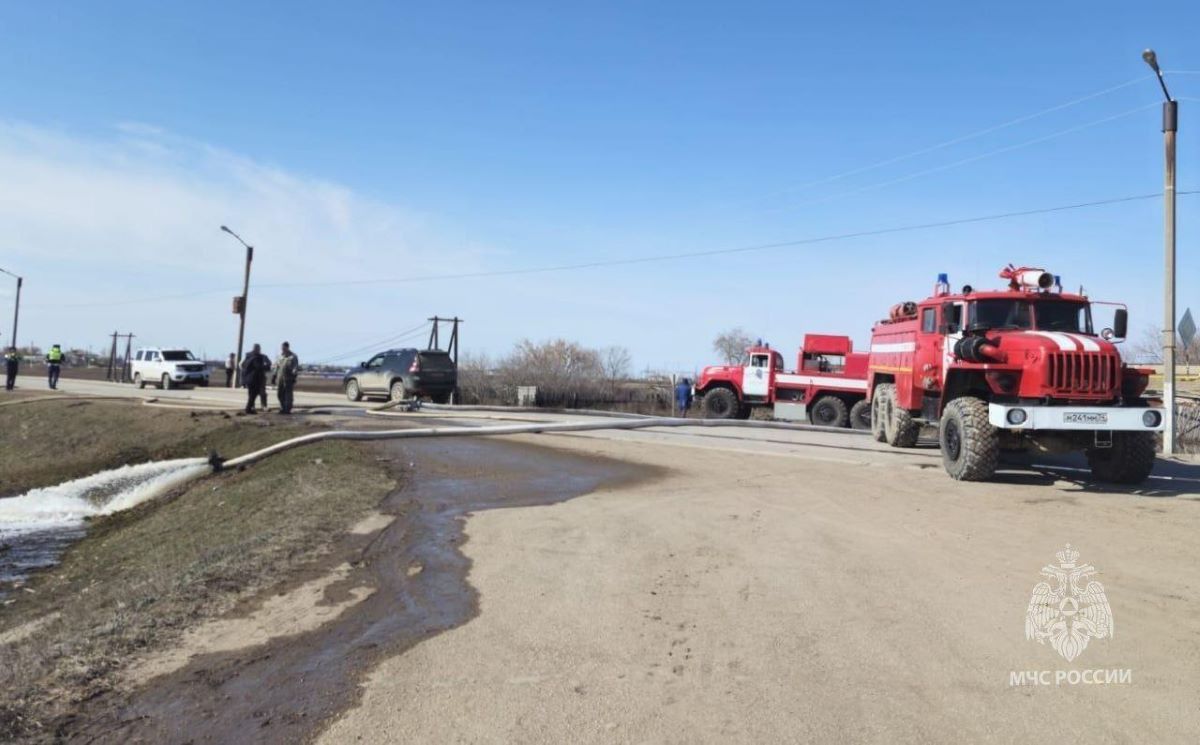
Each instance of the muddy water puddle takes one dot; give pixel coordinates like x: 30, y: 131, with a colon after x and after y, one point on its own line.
x: 291, y: 688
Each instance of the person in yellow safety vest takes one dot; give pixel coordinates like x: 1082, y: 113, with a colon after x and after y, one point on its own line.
x: 54, y: 360
x: 12, y: 364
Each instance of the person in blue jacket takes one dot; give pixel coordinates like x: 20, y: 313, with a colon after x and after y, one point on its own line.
x: 683, y: 396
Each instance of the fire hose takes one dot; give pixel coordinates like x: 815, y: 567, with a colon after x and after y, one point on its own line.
x: 219, y: 463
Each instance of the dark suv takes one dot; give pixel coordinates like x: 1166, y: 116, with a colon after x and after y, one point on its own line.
x: 404, y: 373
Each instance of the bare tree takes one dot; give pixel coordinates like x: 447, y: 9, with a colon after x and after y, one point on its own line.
x: 562, y: 370
x: 616, y: 362
x: 1148, y: 348
x: 731, y: 345
x: 476, y: 378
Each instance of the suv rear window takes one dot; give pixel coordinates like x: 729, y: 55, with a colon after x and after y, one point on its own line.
x: 177, y: 355
x: 436, y: 361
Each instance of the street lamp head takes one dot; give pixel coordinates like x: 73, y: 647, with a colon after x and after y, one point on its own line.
x: 227, y: 230
x: 1151, y: 59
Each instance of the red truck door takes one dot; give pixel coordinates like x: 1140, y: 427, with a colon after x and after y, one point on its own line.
x: 940, y: 329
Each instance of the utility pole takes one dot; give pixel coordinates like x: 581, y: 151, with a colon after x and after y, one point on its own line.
x: 112, y: 359
x: 125, y: 363
x: 435, y: 337
x: 434, y: 340
x: 239, y: 307
x: 16, y: 308
x: 1170, y: 125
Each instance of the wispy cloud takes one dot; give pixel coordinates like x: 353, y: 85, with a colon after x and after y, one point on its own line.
x: 140, y: 196
x: 99, y: 223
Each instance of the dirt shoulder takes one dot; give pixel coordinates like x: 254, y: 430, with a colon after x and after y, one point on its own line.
x: 779, y: 595
x: 141, y: 578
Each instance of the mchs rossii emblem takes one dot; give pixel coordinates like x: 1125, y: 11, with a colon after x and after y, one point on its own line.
x: 1065, y: 611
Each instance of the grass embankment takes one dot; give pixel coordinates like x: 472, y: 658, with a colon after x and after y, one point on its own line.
x: 141, y: 577
x: 47, y: 442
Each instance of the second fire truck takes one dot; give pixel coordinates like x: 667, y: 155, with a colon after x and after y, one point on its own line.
x: 828, y: 386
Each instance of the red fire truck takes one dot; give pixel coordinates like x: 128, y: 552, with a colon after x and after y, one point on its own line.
x: 1019, y: 368
x: 828, y: 387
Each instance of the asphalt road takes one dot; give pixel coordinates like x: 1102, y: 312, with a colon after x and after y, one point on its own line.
x: 799, y: 586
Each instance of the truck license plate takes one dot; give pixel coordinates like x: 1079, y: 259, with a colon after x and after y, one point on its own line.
x: 1084, y: 418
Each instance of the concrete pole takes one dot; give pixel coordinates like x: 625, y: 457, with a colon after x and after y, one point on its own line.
x: 1170, y: 126
x: 17, y: 311
x: 237, y: 369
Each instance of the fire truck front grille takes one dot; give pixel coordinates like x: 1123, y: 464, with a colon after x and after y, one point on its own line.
x: 1081, y: 373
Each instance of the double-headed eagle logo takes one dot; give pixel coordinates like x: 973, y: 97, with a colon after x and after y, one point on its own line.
x: 1066, y: 612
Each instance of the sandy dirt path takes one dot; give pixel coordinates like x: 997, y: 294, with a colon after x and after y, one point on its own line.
x: 776, y: 591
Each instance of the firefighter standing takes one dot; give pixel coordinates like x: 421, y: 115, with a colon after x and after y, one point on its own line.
x: 12, y: 365
x: 683, y: 396
x: 54, y: 360
x: 254, y: 376
x: 286, y: 370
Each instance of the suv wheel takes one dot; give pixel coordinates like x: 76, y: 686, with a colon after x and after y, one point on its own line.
x: 137, y: 380
x: 397, y: 392
x: 353, y: 392
x: 166, y: 381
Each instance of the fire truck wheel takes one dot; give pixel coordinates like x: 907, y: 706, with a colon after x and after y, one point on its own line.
x: 720, y: 403
x: 860, y: 415
x: 1128, y: 461
x: 879, y: 407
x: 899, y: 429
x: 829, y: 411
x: 970, y: 444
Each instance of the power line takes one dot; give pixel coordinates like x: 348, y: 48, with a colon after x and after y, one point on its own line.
x: 403, y: 335
x: 407, y: 334
x: 959, y: 139
x: 971, y: 159
x: 740, y: 249
x: 669, y: 257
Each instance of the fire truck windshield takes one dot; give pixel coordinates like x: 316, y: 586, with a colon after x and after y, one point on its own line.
x: 1043, y: 315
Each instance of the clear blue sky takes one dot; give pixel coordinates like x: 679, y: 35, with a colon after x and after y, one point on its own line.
x: 377, y: 140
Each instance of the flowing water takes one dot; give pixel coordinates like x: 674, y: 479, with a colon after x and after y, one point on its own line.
x: 36, y: 527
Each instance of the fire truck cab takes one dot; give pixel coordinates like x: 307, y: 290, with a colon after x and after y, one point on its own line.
x: 1014, y: 369
x: 827, y: 387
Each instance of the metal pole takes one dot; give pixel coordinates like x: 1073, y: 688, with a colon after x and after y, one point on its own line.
x: 1170, y: 127
x: 237, y: 370
x: 17, y: 312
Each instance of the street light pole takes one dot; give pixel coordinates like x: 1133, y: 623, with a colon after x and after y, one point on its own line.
x: 241, y: 306
x: 1170, y: 126
x: 16, y: 308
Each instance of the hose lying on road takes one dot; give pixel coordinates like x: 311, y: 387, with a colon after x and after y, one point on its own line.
x: 507, y: 429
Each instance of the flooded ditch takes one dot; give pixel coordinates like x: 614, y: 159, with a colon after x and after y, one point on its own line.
x: 36, y: 527
x: 292, y: 687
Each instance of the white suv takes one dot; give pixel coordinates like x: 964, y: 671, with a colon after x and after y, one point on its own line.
x: 167, y: 368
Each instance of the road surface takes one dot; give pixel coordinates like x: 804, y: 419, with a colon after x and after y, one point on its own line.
x: 775, y: 586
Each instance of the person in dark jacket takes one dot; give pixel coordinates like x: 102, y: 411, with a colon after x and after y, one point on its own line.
x: 254, y: 376
x: 12, y: 365
x: 683, y: 396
